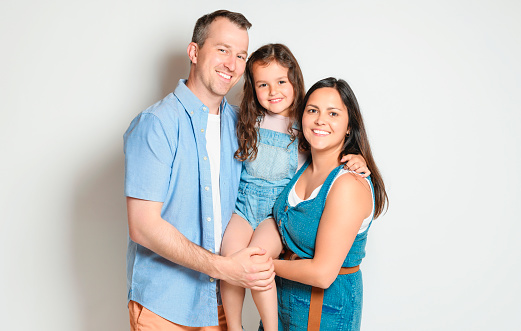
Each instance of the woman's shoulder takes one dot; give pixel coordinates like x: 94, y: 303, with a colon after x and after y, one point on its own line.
x: 349, y: 186
x: 350, y: 179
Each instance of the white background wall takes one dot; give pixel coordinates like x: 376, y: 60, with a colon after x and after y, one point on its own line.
x: 439, y: 86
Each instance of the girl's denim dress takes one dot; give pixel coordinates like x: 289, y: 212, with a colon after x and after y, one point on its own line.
x: 263, y: 179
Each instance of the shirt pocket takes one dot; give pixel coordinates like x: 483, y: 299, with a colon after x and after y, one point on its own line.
x: 272, y: 163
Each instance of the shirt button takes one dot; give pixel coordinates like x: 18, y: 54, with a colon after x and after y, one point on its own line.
x: 204, y: 108
x: 210, y: 250
x: 202, y: 130
x: 205, y: 158
x: 286, y: 208
x: 208, y: 219
x: 211, y: 280
x: 206, y: 188
x: 191, y: 113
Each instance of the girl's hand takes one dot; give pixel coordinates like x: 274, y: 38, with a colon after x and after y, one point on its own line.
x: 356, y: 163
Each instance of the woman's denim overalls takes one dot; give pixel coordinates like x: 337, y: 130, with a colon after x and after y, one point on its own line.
x: 342, y: 306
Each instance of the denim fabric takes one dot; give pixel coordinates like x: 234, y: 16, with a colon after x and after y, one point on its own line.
x: 263, y: 179
x: 341, y: 310
x: 166, y: 161
x: 298, y: 226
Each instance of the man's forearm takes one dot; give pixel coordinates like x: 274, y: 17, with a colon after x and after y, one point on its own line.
x: 147, y: 228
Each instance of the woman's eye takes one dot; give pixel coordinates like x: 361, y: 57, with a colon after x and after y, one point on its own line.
x: 311, y: 110
x: 333, y: 114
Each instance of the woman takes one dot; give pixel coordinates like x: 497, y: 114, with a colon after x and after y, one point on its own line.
x: 324, y: 215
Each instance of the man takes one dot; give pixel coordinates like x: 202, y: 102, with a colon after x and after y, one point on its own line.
x: 181, y: 182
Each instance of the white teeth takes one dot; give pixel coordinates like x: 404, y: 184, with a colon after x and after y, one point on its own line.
x: 320, y: 132
x: 224, y: 75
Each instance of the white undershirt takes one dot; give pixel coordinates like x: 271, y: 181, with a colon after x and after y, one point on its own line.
x: 213, y: 148
x: 294, y: 199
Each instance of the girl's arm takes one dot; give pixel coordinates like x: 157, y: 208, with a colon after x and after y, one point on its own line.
x: 348, y: 203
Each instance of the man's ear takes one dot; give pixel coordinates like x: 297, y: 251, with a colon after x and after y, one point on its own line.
x: 192, y: 50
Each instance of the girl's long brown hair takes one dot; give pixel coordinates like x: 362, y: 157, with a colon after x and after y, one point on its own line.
x: 251, y: 112
x: 357, y: 141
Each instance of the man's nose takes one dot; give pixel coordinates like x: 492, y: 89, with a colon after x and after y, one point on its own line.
x: 231, y: 63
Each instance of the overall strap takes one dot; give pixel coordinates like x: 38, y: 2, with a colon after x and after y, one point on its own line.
x: 324, y: 190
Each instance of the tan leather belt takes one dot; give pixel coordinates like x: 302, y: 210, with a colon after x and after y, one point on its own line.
x: 317, y: 294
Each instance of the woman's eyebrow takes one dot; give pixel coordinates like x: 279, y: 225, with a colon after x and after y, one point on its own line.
x: 328, y: 108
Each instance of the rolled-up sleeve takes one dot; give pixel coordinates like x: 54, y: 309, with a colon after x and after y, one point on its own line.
x: 148, y: 159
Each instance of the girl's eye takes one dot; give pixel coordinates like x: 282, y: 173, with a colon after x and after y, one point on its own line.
x: 262, y: 85
x: 312, y: 110
x: 282, y: 82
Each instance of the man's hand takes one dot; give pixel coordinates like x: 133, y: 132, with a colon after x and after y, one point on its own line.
x: 249, y: 268
x: 356, y: 163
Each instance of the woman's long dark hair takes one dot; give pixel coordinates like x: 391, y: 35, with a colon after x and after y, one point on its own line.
x: 251, y: 111
x: 356, y: 142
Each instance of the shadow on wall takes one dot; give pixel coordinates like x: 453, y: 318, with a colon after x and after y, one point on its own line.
x: 99, y: 243
x: 99, y: 237
x: 174, y: 67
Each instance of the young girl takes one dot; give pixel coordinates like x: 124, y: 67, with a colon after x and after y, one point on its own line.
x: 273, y: 89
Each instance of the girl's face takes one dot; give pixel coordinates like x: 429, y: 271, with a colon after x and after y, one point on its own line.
x: 273, y: 88
x: 325, y: 120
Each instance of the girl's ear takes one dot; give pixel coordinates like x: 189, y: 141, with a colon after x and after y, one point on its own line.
x: 192, y: 50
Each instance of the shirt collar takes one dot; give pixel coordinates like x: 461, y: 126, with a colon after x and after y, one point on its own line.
x: 191, y: 103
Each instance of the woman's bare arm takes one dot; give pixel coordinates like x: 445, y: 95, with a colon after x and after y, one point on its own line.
x: 349, y: 202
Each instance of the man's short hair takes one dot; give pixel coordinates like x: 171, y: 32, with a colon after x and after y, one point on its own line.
x: 202, y: 24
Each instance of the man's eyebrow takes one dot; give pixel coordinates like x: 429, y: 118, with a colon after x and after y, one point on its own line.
x: 224, y: 45
x: 245, y: 52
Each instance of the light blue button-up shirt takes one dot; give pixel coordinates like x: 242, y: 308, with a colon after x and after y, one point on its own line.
x: 166, y: 160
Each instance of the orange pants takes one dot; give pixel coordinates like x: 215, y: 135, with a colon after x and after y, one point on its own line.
x: 142, y: 319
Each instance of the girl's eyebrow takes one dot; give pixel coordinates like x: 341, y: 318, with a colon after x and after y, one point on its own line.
x: 279, y: 78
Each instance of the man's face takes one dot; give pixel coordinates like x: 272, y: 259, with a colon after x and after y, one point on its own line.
x: 221, y: 61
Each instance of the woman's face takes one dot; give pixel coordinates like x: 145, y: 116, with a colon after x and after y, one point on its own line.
x: 325, y: 120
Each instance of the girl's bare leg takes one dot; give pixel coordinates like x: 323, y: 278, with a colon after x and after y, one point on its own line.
x: 267, y: 236
x: 236, y: 237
